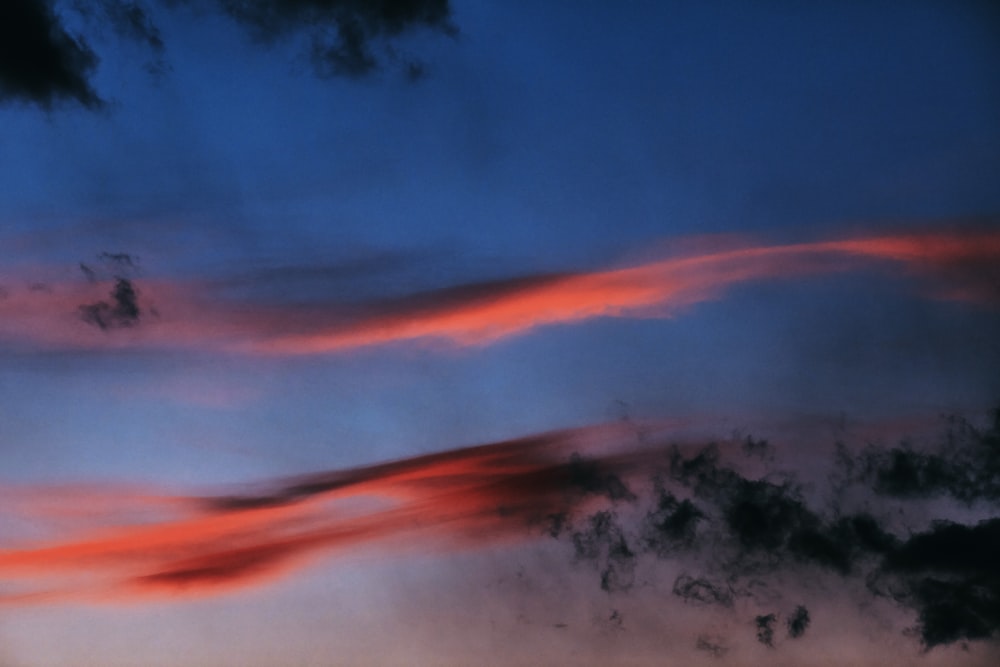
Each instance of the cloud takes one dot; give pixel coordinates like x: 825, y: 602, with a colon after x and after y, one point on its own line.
x: 765, y: 629
x: 481, y: 313
x: 342, y: 34
x: 41, y: 64
x: 965, y: 466
x: 742, y: 539
x: 735, y: 543
x: 702, y: 591
x: 603, y: 541
x: 472, y: 495
x: 122, y: 311
x: 951, y: 575
x: 202, y: 315
x: 671, y: 524
x: 798, y: 622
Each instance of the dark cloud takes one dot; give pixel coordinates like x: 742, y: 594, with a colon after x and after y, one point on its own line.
x: 755, y: 540
x: 965, y: 465
x: 760, y: 449
x: 765, y: 628
x: 346, y: 37
x: 603, y: 541
x: 590, y: 476
x: 951, y: 575
x: 702, y: 591
x: 798, y: 622
x: 672, y: 524
x: 753, y: 535
x: 122, y: 311
x: 42, y: 64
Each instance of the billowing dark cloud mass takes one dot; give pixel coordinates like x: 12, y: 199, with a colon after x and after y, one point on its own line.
x: 43, y: 64
x: 965, y: 466
x: 751, y: 534
x: 40, y: 62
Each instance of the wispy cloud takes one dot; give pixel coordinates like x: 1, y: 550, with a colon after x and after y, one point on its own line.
x: 191, y: 315
x: 473, y: 495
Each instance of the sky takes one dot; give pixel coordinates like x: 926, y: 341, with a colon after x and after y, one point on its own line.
x: 434, y: 332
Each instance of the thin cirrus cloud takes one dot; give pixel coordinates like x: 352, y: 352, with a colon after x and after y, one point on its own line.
x: 128, y: 313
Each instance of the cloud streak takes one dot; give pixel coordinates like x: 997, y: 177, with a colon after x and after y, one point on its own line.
x: 468, y: 496
x: 737, y: 542
x: 192, y: 315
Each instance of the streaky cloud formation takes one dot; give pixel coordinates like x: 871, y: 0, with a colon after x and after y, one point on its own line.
x: 484, y: 314
x: 754, y: 538
x: 470, y: 496
x: 191, y: 315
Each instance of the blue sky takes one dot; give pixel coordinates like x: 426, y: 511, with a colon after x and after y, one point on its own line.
x: 557, y: 141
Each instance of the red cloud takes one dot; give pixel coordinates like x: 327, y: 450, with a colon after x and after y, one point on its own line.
x: 955, y: 266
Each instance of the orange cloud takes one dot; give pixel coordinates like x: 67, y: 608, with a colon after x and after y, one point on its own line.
x: 955, y: 265
x: 658, y: 288
x: 476, y: 494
